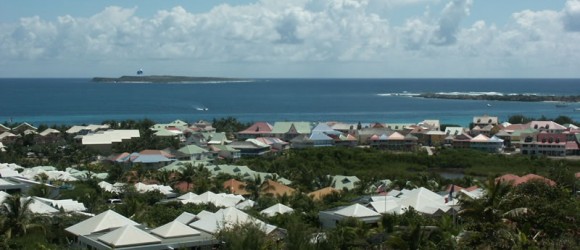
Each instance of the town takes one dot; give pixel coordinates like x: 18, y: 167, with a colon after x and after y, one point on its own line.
x: 290, y: 185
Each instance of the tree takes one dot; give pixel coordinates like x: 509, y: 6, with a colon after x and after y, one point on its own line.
x: 245, y: 236
x: 17, y: 219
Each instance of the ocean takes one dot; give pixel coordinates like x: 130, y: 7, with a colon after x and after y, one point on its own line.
x: 81, y: 101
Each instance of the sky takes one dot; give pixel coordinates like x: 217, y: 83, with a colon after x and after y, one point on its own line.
x: 291, y: 38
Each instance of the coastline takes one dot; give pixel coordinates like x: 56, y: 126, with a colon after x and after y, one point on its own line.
x: 500, y: 97
x: 166, y: 79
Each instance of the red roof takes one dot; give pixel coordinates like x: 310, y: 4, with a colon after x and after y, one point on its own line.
x: 455, y: 189
x: 577, y: 175
x: 516, y: 180
x: 258, y: 128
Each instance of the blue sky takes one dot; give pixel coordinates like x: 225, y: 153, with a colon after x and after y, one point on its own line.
x: 297, y: 38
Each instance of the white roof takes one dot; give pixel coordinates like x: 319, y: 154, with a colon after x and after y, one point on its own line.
x: 37, y: 207
x: 226, y: 218
x: 127, y: 236
x: 67, y: 205
x: 387, y: 206
x: 219, y: 200
x: 187, y: 196
x: 3, y: 196
x: 276, y: 209
x: 424, y: 200
x: 185, y: 217
x: 174, y: 229
x: 8, y: 172
x: 109, y: 136
x: 245, y: 204
x: 49, y: 131
x: 103, y: 221
x: 357, y: 211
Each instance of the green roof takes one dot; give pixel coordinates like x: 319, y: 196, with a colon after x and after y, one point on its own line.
x: 192, y: 149
x: 284, y: 127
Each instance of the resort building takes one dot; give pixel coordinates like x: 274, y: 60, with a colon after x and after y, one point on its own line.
x: 544, y: 143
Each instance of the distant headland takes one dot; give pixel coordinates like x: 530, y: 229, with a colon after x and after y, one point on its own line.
x: 499, y: 97
x: 166, y: 79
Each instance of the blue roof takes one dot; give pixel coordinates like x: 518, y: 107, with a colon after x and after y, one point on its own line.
x: 151, y: 159
x: 319, y: 136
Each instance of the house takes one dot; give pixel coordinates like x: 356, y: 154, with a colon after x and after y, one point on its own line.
x: 102, y: 141
x: 455, y: 131
x: 23, y: 127
x: 251, y: 147
x: 482, y: 130
x: 226, y: 151
x: 330, y: 218
x: 177, y: 124
x: 83, y: 130
x: 394, y: 141
x: 276, y: 189
x: 547, y: 126
x: 236, y: 187
x: 203, y: 126
x: 3, y: 128
x: 289, y: 130
x: 544, y: 143
x: 226, y: 218
x: 431, y: 124
x: 48, y: 136
x: 276, y: 144
x: 258, y: 129
x: 341, y: 182
x: 318, y: 195
x: 149, y: 159
x: 276, y: 209
x: 8, y: 138
x: 196, y: 153
x: 435, y: 138
x: 364, y: 135
x: 462, y: 141
x: 110, y: 230
x: 2, y: 147
x: 344, y: 140
x: 484, y: 143
x: 485, y: 120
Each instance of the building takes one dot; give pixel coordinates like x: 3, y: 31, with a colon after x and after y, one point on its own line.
x: 258, y: 129
x: 102, y: 141
x: 485, y: 120
x: 543, y: 143
x: 289, y: 130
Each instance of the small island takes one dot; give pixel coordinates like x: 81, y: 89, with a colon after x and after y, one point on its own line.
x: 165, y: 79
x: 510, y: 98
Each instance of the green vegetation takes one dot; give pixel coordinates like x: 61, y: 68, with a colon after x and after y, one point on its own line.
x: 530, y: 216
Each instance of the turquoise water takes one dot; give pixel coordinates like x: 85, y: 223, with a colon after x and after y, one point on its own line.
x: 78, y: 101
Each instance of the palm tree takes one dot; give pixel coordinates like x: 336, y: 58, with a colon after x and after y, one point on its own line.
x: 484, y: 217
x: 18, y: 218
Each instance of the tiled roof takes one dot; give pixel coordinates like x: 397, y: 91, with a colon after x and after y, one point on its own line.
x: 516, y: 180
x: 258, y: 128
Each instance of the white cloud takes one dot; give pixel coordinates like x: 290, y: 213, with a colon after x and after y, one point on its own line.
x: 448, y: 24
x: 282, y: 35
x: 571, y: 17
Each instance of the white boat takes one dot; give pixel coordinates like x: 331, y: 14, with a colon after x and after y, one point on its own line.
x: 489, y: 105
